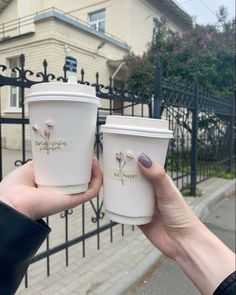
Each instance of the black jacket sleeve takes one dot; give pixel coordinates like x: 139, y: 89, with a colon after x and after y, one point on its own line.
x: 228, y: 286
x: 21, y: 237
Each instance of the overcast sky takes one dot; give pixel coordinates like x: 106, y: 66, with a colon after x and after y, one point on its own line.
x: 205, y: 10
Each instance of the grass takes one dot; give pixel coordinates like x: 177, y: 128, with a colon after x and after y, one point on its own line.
x: 187, y: 193
x: 227, y: 174
x: 177, y: 163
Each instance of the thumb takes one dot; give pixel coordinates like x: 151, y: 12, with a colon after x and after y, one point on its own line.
x: 164, y: 186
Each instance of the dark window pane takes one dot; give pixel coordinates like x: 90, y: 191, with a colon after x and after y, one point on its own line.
x: 101, y: 14
x: 13, y: 97
x: 93, y: 17
x: 94, y: 26
x: 101, y: 26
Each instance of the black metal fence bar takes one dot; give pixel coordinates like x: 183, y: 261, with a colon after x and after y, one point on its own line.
x: 72, y: 242
x: 194, y: 150
x: 232, y: 138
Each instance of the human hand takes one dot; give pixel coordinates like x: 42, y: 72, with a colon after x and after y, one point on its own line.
x: 180, y: 235
x: 18, y: 190
x: 173, y: 219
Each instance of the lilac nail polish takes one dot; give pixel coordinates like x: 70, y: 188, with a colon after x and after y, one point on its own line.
x: 145, y: 160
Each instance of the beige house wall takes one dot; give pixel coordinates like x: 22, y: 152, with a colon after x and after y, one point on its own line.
x: 10, y: 12
x: 24, y: 7
x: 140, y: 25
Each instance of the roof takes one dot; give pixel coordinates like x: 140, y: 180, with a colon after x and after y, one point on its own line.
x: 73, y: 21
x: 3, y: 4
x: 116, y: 63
x: 170, y: 6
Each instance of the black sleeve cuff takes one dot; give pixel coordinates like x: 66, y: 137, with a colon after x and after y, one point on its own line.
x: 21, y: 238
x: 228, y: 286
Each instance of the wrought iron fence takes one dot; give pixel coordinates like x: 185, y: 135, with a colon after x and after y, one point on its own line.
x: 203, y: 137
x: 204, y: 131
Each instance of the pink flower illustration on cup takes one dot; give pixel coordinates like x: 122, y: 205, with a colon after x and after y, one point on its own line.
x: 45, y: 135
x: 123, y: 159
x: 49, y: 123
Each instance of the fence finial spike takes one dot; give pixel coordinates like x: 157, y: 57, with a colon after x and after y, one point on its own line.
x: 45, y: 63
x: 22, y: 60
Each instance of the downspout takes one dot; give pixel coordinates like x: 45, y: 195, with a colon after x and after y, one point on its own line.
x: 117, y: 70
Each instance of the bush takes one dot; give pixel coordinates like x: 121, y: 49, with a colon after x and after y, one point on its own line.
x: 207, y: 52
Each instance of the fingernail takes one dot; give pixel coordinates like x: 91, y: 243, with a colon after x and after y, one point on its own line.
x: 145, y: 160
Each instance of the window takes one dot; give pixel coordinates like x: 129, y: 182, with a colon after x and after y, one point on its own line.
x: 15, y: 95
x: 97, y: 20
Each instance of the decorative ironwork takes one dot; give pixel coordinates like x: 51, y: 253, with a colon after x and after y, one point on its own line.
x: 175, y: 93
x: 21, y: 79
x: 211, y: 103
x: 66, y: 213
x: 18, y: 163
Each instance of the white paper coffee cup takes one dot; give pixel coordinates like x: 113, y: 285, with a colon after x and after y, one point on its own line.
x: 63, y: 123
x: 128, y: 196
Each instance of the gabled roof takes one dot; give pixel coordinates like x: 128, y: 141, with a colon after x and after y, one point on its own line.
x: 3, y: 4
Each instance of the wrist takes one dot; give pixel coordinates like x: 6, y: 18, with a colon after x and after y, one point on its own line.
x: 6, y: 201
x: 10, y: 204
x: 205, y: 259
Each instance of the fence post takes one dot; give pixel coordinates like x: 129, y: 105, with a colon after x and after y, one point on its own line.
x: 231, y: 136
x: 157, y: 89
x: 194, y: 139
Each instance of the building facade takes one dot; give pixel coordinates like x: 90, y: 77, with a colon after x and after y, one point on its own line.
x: 98, y: 33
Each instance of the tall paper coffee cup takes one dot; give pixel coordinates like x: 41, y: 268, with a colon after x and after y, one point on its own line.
x: 63, y: 123
x: 128, y: 196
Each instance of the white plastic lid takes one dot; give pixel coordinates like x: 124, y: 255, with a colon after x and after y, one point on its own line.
x: 59, y: 90
x: 137, y: 126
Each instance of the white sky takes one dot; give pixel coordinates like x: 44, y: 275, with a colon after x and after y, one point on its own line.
x: 205, y: 10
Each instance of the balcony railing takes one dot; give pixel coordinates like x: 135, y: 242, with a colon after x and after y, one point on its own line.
x: 17, y: 27
x: 26, y: 24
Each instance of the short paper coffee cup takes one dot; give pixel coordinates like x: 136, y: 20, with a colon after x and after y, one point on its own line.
x: 63, y: 123
x: 128, y: 196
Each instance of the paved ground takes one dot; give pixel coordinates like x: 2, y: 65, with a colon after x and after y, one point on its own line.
x: 166, y: 277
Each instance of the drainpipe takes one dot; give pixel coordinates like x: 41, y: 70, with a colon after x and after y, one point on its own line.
x: 117, y: 70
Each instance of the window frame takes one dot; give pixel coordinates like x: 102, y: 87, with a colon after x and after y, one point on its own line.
x: 97, y: 22
x: 14, y: 90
